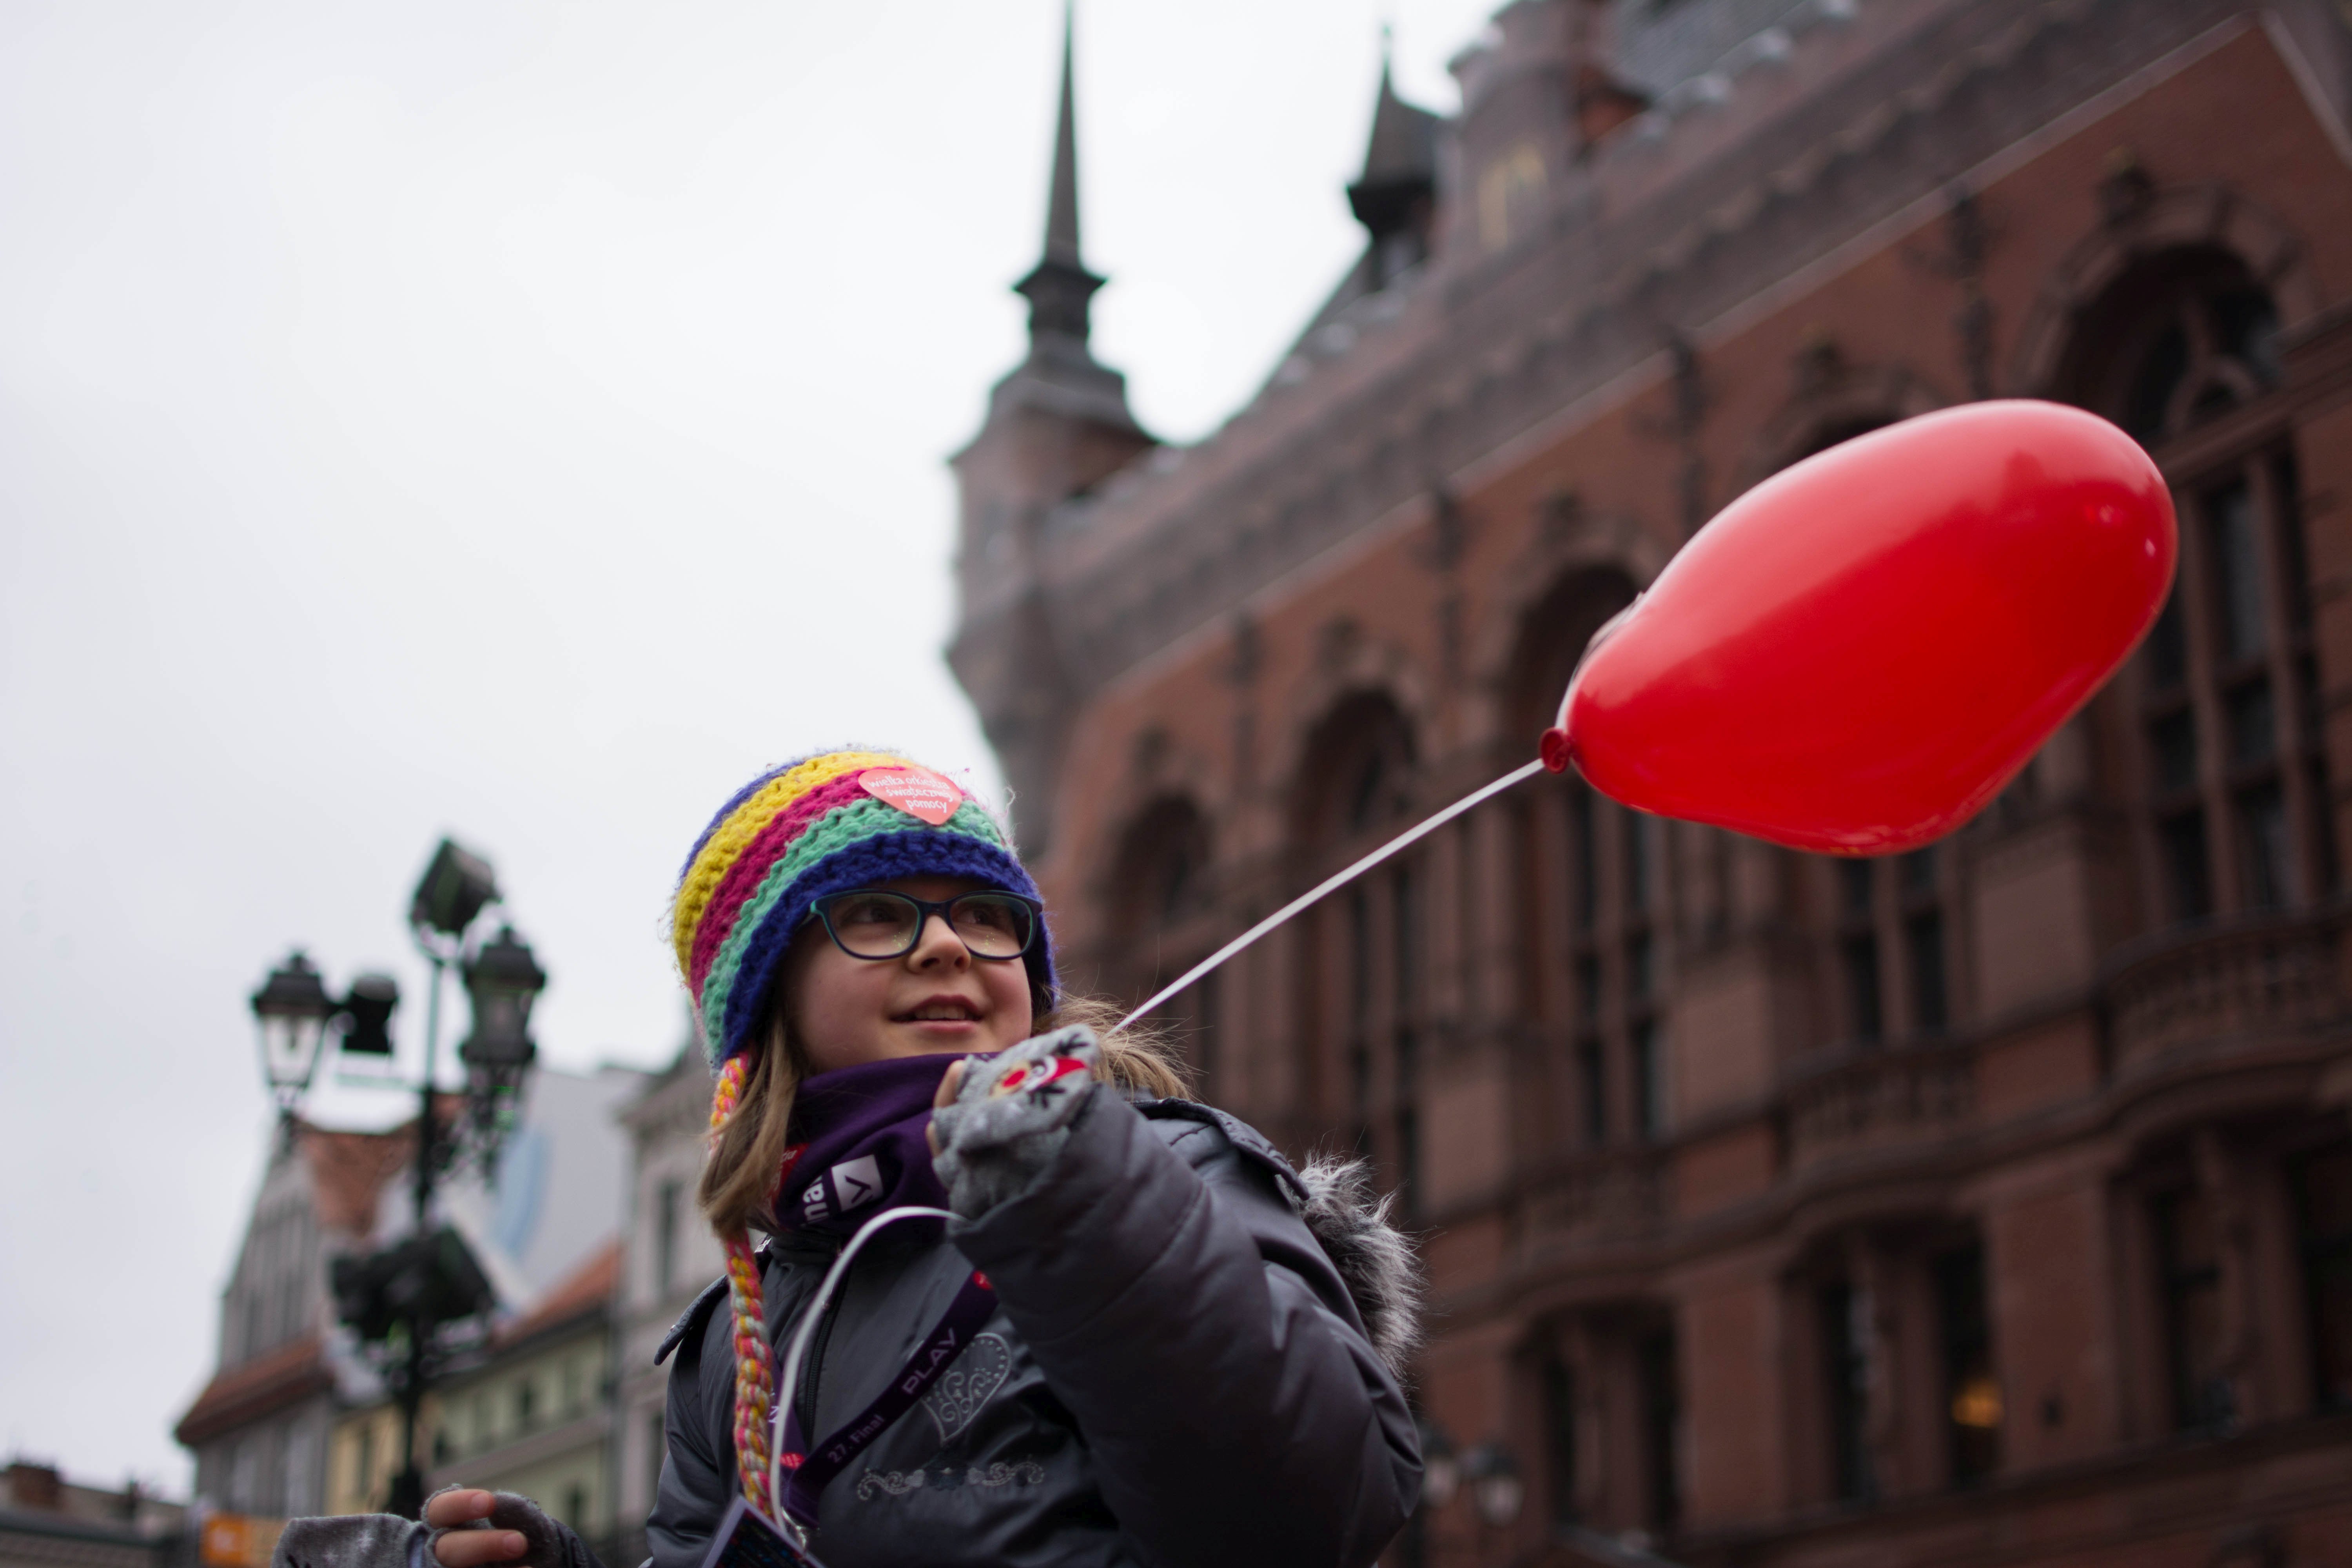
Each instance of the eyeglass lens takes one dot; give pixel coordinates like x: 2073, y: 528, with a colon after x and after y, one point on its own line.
x: 884, y: 925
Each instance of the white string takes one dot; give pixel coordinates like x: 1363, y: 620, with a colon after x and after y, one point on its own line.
x: 1403, y: 840
x: 800, y: 1346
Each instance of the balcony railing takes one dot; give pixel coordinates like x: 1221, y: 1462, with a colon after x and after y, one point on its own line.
x: 1869, y: 1098
x: 1599, y: 1195
x: 2224, y: 989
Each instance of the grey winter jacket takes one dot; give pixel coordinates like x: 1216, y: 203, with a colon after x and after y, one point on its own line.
x: 1178, y: 1374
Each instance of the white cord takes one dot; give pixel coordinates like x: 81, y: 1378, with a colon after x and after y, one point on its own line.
x: 1410, y: 836
x: 801, y: 1336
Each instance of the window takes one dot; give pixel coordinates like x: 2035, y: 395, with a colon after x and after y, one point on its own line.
x: 1592, y: 1090
x: 1584, y: 885
x: 1384, y: 918
x: 526, y: 1403
x: 2189, y: 1258
x: 2231, y: 805
x: 667, y: 1200
x: 1638, y: 954
x: 1615, y: 920
x: 1405, y: 928
x: 1661, y: 1427
x: 575, y: 1506
x: 1845, y: 1364
x: 1972, y: 1401
x: 1584, y: 874
x: 1356, y: 791
x: 1923, y: 942
x: 1161, y: 868
x: 1891, y: 947
x: 363, y: 1464
x: 1559, y: 1440
x: 1649, y: 1083
x: 2323, y: 1191
x: 1858, y: 951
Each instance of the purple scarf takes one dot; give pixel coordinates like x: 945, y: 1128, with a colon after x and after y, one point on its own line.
x: 858, y: 1144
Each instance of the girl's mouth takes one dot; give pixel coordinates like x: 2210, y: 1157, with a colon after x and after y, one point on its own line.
x: 941, y: 1010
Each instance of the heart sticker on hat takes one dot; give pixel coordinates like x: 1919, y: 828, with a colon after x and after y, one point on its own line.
x: 917, y: 792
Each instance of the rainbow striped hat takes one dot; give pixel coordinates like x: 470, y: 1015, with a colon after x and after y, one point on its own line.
x: 823, y: 824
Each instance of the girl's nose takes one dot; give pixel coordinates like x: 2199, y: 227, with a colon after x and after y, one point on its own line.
x: 937, y: 943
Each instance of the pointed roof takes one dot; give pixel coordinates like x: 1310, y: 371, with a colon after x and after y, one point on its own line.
x: 1401, y: 162
x: 1061, y: 373
x: 1062, y: 202
x: 1059, y: 287
x: 1404, y: 138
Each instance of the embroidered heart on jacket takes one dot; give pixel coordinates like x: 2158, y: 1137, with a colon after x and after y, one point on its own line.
x: 967, y: 1383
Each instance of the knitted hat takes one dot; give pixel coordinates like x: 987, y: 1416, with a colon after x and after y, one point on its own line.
x: 823, y: 824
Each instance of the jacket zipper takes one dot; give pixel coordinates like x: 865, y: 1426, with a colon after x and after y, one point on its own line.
x: 813, y: 1369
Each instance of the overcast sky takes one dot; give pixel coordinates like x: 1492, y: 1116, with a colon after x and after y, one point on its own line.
x: 522, y: 421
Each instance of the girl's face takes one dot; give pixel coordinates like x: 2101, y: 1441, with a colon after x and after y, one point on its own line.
x: 935, y: 998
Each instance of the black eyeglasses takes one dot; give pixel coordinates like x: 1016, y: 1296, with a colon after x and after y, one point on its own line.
x: 868, y: 924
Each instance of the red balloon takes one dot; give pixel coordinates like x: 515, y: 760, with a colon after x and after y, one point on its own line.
x: 1858, y: 653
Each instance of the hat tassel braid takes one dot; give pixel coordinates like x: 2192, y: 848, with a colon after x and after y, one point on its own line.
x: 754, y: 1360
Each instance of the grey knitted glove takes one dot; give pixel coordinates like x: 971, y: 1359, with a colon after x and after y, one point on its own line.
x: 1012, y: 1115
x: 547, y: 1543
x: 351, y: 1541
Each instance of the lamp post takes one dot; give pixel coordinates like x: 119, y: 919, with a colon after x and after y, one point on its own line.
x: 1488, y: 1473
x: 399, y: 1298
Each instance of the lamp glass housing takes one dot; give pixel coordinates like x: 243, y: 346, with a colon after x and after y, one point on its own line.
x: 504, y: 980
x: 290, y: 1011
x: 1499, y: 1497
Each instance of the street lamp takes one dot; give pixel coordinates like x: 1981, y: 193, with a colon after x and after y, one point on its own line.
x: 1495, y: 1485
x: 291, y: 1010
x: 400, y: 1299
x: 504, y: 980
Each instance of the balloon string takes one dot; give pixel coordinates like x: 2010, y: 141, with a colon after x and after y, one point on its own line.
x: 1403, y: 841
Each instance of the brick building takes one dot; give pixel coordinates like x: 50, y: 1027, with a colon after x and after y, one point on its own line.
x: 1992, y: 1203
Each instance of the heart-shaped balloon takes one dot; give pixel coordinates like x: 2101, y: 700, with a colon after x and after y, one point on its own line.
x: 1858, y: 653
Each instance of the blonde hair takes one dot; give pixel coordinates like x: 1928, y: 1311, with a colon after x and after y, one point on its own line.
x: 738, y: 1189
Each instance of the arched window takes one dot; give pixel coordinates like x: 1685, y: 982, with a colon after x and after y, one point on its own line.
x: 2232, y: 799
x: 1159, y: 882
x: 1161, y: 865
x: 2180, y: 338
x: 1609, y: 1082
x: 1366, y: 992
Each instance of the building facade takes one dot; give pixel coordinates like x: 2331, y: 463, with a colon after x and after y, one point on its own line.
x: 668, y: 1256
x: 1991, y: 1203
x: 259, y: 1429
x: 48, y: 1522
x: 292, y: 1421
x: 533, y: 1414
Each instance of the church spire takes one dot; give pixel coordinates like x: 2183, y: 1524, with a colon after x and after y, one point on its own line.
x: 1060, y: 287
x: 1062, y: 204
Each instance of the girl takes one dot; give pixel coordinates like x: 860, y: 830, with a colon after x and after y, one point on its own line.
x: 1143, y: 1338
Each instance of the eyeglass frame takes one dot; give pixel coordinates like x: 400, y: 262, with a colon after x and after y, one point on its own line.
x: 924, y: 910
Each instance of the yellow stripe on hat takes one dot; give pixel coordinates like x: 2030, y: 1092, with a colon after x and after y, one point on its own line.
x: 743, y: 824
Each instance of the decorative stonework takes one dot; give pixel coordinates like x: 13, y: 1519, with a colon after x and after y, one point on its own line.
x: 2240, y: 990
x: 2172, y: 217
x: 1878, y: 1098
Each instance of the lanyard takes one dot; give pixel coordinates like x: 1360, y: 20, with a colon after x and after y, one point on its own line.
x: 811, y: 1469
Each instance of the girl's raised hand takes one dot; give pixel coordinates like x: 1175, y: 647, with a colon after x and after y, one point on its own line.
x: 460, y: 1541
x: 948, y: 1086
